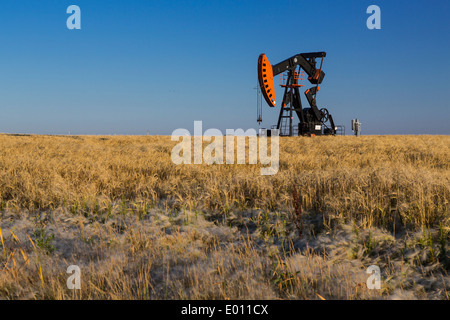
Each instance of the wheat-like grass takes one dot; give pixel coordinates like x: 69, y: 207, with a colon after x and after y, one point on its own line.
x: 141, y: 227
x: 365, y: 178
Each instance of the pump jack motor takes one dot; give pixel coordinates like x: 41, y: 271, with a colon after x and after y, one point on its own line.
x: 313, y: 121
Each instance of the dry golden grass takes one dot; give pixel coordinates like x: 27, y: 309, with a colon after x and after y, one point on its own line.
x: 353, y: 178
x: 141, y: 227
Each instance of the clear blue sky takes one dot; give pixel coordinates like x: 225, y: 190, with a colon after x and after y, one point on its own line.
x: 159, y: 65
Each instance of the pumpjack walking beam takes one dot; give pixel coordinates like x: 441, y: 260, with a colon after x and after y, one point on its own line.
x: 307, y: 61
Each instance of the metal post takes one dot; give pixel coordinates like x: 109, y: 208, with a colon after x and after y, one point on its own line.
x: 291, y: 132
x: 356, y: 127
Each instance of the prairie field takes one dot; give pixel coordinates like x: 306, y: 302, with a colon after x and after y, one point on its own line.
x: 140, y: 227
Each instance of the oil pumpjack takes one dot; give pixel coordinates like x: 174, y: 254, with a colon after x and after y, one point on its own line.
x: 313, y: 121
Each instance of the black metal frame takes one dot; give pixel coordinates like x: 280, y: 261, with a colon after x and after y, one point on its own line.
x: 312, y: 120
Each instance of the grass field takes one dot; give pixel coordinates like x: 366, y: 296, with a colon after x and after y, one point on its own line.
x: 140, y: 227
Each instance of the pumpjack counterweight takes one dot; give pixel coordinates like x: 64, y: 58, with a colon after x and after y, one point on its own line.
x: 313, y: 121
